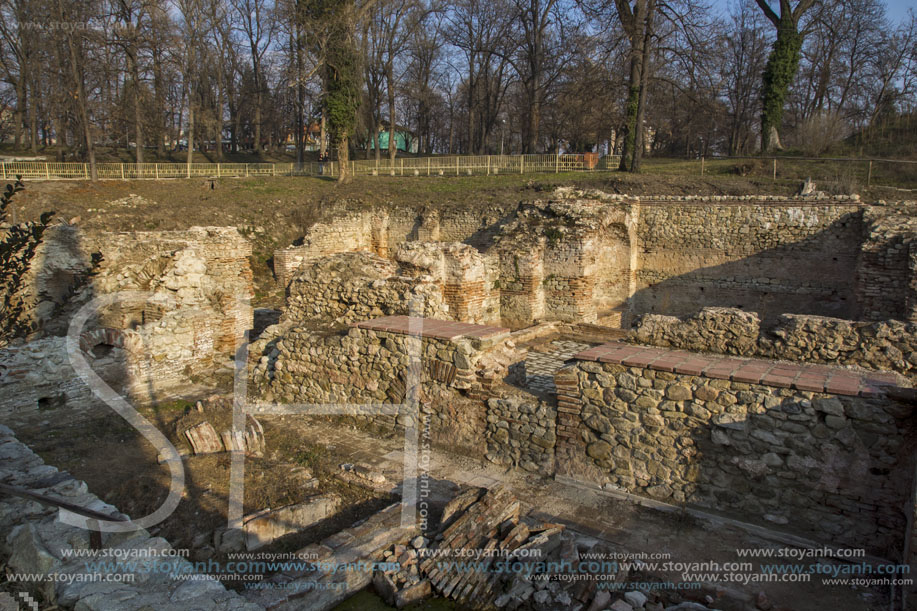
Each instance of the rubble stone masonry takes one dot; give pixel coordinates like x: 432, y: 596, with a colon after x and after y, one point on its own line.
x: 820, y: 451
x: 200, y: 285
x: 587, y: 256
x: 459, y: 367
x: 886, y: 345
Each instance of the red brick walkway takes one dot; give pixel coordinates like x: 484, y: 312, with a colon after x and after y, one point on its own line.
x: 801, y: 376
x: 430, y: 327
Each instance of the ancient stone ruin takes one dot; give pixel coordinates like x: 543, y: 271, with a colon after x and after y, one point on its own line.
x: 745, y: 361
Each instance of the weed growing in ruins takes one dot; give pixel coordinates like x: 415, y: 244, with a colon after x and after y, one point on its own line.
x: 553, y: 234
x: 18, y: 245
x: 311, y: 457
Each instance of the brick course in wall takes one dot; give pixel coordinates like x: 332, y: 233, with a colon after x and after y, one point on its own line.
x: 780, y: 374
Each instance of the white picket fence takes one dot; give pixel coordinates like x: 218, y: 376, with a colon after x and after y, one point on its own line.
x: 458, y: 165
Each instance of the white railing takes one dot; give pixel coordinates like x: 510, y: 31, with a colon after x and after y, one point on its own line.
x: 458, y: 165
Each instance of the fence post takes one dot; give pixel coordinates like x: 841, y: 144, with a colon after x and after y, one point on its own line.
x: 869, y: 174
x: 274, y: 169
x: 703, y: 160
x: 521, y: 164
x: 402, y: 166
x: 122, y: 171
x: 156, y: 170
x: 488, y: 165
x: 775, y: 168
x: 4, y: 170
x: 428, y: 166
x: 47, y: 171
x: 456, y: 165
x: 218, y: 170
x: 557, y: 163
x: 246, y: 170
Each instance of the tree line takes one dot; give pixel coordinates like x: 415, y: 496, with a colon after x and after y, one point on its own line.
x: 464, y: 76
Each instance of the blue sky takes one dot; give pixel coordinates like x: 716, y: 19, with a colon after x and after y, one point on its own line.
x: 897, y: 9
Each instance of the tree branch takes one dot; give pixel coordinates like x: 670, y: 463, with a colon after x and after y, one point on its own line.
x: 769, y: 12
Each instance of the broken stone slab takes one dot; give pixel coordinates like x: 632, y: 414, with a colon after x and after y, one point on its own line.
x: 413, y: 593
x: 229, y: 539
x: 250, y: 441
x: 264, y: 527
x: 204, y: 439
x: 600, y: 602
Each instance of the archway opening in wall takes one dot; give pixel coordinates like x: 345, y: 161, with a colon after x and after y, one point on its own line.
x: 52, y: 402
x: 109, y: 361
x: 101, y: 351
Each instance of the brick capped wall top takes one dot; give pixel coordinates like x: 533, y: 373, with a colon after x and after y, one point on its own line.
x: 430, y: 327
x: 800, y: 376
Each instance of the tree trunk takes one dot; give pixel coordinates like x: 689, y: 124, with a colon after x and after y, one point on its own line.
x: 33, y: 118
x: 82, y: 104
x: 343, y: 150
x: 322, y: 146
x: 644, y: 80
x: 378, y: 152
x: 190, y: 134
x: 778, y: 76
x: 18, y: 120
x: 534, y: 118
x: 258, y: 123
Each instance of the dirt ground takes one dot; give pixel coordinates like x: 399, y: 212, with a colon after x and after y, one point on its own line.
x: 121, y: 467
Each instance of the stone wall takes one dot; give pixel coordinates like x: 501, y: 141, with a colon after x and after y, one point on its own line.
x: 466, y: 277
x: 33, y: 540
x: 199, y: 282
x: 886, y: 271
x: 203, y: 269
x: 888, y: 346
x: 348, y: 287
x: 347, y: 232
x: 567, y: 259
x: 772, y: 258
x: 834, y: 467
x: 587, y: 256
x: 382, y: 231
x: 521, y: 432
x: 296, y: 365
x: 37, y: 382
